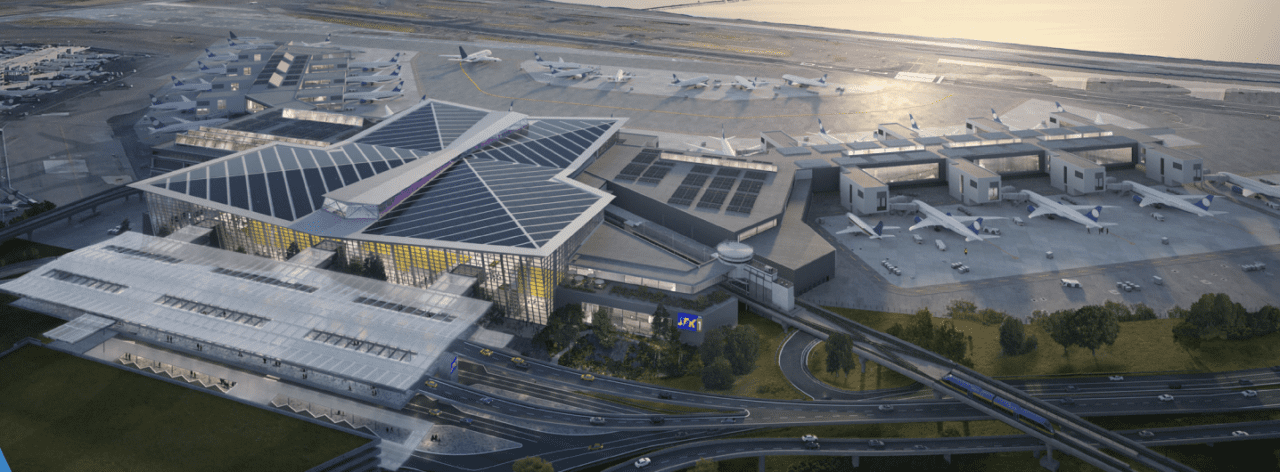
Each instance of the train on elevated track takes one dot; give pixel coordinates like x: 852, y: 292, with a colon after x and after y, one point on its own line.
x: 979, y: 393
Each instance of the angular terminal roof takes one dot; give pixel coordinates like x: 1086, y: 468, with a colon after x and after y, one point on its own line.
x: 348, y: 326
x: 438, y: 174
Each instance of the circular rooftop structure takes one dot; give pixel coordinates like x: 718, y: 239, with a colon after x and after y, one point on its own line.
x: 733, y: 252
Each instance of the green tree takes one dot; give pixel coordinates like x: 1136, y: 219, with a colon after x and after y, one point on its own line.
x: 1095, y: 327
x: 713, y: 345
x: 1117, y: 309
x: 821, y: 464
x: 532, y: 464
x: 373, y: 268
x: 662, y: 325
x: 124, y: 225
x: 944, y: 339
x: 340, y: 262
x: 991, y: 317
x: 705, y: 465
x: 958, y: 308
x: 741, y: 348
x: 1058, y: 324
x: 602, y: 324
x: 1143, y: 312
x: 1012, y: 336
x: 840, y: 353
x: 292, y: 250
x: 718, y: 375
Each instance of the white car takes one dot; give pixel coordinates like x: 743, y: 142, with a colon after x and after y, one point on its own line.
x: 642, y: 463
x: 808, y: 438
x: 1239, y: 434
x: 1165, y: 398
x: 1249, y: 393
x: 1115, y: 378
x: 886, y: 407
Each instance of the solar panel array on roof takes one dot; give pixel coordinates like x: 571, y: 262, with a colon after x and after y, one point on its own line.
x: 482, y: 201
x: 744, y: 199
x: 656, y: 172
x: 284, y: 181
x: 548, y: 143
x: 416, y: 130
x: 692, y: 184
x: 712, y: 199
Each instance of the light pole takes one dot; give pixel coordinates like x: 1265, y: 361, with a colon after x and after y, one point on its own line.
x: 4, y: 154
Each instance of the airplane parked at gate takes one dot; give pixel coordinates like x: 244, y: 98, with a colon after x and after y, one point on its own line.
x: 368, y: 65
x: 183, y: 125
x: 210, y: 56
x: 1245, y: 186
x: 24, y: 93
x: 856, y: 225
x: 185, y: 104
x: 1049, y: 206
x: 804, y: 82
x: 375, y: 78
x: 376, y: 95
x: 204, y: 68
x: 822, y: 133
x: 968, y: 226
x: 249, y: 46
x: 478, y: 56
x: 1148, y: 196
x: 328, y: 38
x: 727, y: 149
x: 559, y: 64
x: 696, y: 82
x: 200, y: 87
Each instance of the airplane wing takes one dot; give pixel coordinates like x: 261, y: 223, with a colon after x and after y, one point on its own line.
x: 1042, y: 211
x: 971, y: 219
x: 852, y: 229
x: 925, y: 223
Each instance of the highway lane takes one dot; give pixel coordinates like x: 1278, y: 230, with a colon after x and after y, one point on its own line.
x: 686, y: 455
x: 793, y: 359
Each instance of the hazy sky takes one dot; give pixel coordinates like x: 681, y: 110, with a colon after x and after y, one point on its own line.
x: 1227, y: 30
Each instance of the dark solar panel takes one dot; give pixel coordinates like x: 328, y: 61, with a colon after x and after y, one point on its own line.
x: 298, y: 194
x: 258, y: 194
x: 417, y: 130
x: 722, y: 183
x: 316, y: 187
x: 646, y: 156
x: 684, y: 195
x: 197, y: 188
x: 712, y: 199
x: 696, y: 180
x: 755, y: 175
x: 279, y: 195
x: 750, y: 186
x: 239, y: 192
x: 179, y: 186
x: 631, y: 172
x: 702, y: 169
x: 729, y: 172
x: 655, y: 173
x: 453, y: 207
x: 742, y: 203
x: 218, y: 190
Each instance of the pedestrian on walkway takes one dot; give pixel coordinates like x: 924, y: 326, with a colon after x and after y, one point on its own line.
x: 966, y: 251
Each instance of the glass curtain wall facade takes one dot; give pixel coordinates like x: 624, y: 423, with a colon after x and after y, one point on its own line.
x: 522, y: 287
x: 1107, y: 157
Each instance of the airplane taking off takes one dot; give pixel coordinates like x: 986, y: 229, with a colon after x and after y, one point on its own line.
x: 1148, y: 196
x: 376, y: 95
x: 200, y: 87
x: 559, y: 64
x: 696, y: 82
x: 220, y: 70
x: 727, y: 149
x: 327, y: 39
x: 1245, y: 186
x: 371, y: 79
x: 368, y: 65
x: 183, y: 125
x: 621, y: 77
x: 957, y: 224
x: 856, y: 225
x: 478, y: 56
x: 741, y: 82
x: 578, y: 73
x: 248, y: 46
x: 185, y: 104
x: 210, y: 56
x: 1049, y: 206
x: 804, y: 82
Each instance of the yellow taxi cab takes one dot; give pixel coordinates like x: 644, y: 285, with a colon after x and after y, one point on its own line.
x: 431, y: 383
x: 434, y: 411
x: 595, y: 447
x: 486, y: 352
x: 588, y: 377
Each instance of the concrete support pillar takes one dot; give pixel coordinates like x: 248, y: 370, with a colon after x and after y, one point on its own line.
x: 855, y: 461
x: 1047, y: 461
x: 947, y: 457
x: 761, y: 463
x: 937, y: 395
x: 863, y: 363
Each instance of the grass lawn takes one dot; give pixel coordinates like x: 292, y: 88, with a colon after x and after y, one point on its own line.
x: 68, y: 414
x: 16, y: 323
x: 876, y: 376
x: 19, y: 250
x: 766, y: 381
x: 1143, y: 346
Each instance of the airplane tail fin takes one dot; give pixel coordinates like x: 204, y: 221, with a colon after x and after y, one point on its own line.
x: 1137, y: 199
x: 537, y: 58
x: 976, y: 226
x: 1205, y: 202
x: 155, y: 123
x: 823, y: 80
x: 328, y: 37
x: 232, y: 35
x: 879, y: 229
x: 995, y: 117
x: 424, y: 98
x: 821, y: 129
x: 675, y: 79
x: 461, y: 54
x: 1031, y: 208
x: 1095, y: 213
x: 399, y: 86
x: 1059, y: 105
x: 396, y: 73
x: 919, y: 219
x: 512, y: 106
x: 175, y: 80
x: 153, y: 98
x: 913, y: 121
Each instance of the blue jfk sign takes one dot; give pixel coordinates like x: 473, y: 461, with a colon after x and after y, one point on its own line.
x: 688, y: 322
x: 453, y: 366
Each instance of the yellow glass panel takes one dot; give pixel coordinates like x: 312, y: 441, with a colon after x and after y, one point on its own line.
x: 537, y: 281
